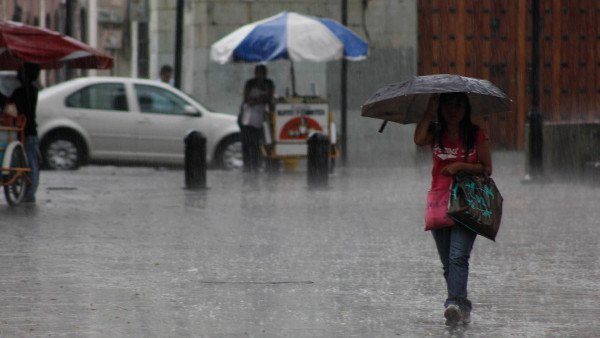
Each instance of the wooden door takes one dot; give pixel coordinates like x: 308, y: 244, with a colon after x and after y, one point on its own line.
x: 491, y: 39
x: 476, y: 38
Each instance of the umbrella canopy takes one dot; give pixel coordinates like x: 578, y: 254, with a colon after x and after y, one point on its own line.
x: 405, y: 102
x: 21, y: 43
x: 292, y: 36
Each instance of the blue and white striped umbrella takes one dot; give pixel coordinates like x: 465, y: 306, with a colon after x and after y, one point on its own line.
x: 292, y: 36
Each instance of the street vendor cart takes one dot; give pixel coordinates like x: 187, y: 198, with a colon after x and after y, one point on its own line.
x: 288, y: 127
x: 294, y: 37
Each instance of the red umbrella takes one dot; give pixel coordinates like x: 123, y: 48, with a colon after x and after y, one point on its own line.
x: 21, y: 43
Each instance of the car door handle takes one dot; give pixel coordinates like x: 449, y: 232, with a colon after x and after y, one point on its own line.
x: 145, y: 121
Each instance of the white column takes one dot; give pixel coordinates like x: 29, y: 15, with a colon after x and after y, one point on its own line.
x: 43, y: 13
x: 189, y: 47
x: 134, y: 49
x: 42, y: 77
x: 153, y: 32
x: 92, y: 27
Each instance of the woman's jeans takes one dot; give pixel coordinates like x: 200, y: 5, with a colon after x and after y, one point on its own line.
x: 454, y: 245
x: 32, y: 145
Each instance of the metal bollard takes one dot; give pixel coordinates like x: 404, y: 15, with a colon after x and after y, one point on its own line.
x: 318, y: 160
x: 195, y: 161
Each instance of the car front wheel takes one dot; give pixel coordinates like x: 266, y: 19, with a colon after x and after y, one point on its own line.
x: 229, y: 156
x: 61, y: 153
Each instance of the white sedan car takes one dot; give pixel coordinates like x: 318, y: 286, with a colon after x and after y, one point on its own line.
x: 128, y: 120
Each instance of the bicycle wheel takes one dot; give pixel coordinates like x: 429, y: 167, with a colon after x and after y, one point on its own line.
x: 15, y: 191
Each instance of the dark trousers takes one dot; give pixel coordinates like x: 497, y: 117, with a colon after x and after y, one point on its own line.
x: 32, y: 146
x: 251, y: 138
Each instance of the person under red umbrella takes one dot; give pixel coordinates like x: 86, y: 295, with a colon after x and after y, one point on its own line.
x: 25, y: 99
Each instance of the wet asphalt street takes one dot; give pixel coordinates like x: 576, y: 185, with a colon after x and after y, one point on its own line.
x: 121, y: 251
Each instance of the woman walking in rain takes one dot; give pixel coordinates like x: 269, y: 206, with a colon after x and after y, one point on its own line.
x: 457, y: 145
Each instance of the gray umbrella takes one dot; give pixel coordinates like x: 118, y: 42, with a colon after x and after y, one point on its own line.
x: 405, y: 102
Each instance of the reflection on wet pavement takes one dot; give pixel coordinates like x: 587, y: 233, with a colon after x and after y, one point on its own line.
x: 128, y: 251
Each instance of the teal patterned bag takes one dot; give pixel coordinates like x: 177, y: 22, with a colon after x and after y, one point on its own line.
x: 476, y: 204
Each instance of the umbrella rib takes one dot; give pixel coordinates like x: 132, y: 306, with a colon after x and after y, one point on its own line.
x: 503, y: 104
x: 412, y: 82
x: 410, y: 104
x: 487, y: 90
x: 466, y: 84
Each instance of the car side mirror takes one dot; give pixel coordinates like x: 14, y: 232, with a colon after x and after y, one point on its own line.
x: 191, y: 111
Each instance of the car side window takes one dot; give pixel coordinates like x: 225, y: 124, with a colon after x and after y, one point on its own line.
x: 157, y: 100
x: 102, y: 96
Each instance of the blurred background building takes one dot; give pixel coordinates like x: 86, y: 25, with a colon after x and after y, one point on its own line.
x: 390, y: 27
x: 140, y: 35
x: 104, y: 24
x: 487, y: 39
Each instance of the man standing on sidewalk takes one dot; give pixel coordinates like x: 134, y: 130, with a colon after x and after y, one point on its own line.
x: 258, y: 99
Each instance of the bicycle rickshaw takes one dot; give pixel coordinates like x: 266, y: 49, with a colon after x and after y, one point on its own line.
x: 20, y: 44
x: 14, y: 162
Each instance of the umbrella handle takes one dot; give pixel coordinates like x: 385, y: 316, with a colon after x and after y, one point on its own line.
x: 383, y: 126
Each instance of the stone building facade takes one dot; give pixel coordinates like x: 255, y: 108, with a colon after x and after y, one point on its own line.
x: 390, y: 26
x: 140, y: 35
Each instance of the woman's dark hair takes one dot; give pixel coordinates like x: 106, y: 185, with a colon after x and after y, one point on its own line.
x: 467, y: 129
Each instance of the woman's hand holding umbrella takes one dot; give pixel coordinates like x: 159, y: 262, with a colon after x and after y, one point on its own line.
x: 422, y: 135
